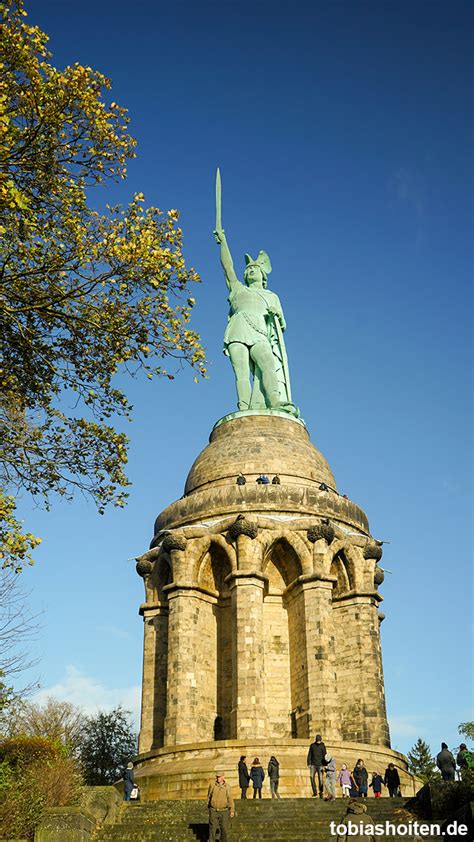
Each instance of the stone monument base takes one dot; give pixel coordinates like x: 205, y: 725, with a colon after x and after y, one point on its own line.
x: 184, y: 771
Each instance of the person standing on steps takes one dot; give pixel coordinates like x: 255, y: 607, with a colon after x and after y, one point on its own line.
x: 244, y: 777
x: 376, y: 784
x: 465, y: 761
x: 128, y: 782
x: 274, y: 776
x: 392, y: 780
x: 330, y: 778
x: 315, y: 761
x: 257, y: 776
x: 346, y: 780
x: 221, y: 808
x: 361, y: 777
x: 446, y: 763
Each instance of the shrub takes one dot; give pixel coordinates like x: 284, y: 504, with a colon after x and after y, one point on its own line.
x: 35, y: 773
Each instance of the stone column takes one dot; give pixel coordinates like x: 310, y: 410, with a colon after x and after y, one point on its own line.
x: 191, y: 685
x: 248, y: 717
x: 321, y: 658
x: 155, y: 655
x: 360, y: 673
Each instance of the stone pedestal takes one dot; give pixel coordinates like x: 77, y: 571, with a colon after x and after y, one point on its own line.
x: 261, y: 612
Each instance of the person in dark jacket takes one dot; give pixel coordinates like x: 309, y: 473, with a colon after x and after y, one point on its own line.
x: 392, y: 780
x: 376, y: 784
x: 446, y: 763
x: 461, y: 758
x: 128, y: 782
x: 315, y: 761
x: 465, y: 761
x: 274, y: 776
x: 361, y: 777
x: 244, y: 777
x: 257, y: 776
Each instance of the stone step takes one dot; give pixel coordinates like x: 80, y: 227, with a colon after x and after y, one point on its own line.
x: 283, y: 820
x: 267, y: 832
x: 277, y: 803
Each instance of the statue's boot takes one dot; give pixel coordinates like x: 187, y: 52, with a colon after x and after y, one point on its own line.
x: 243, y: 393
x: 284, y: 406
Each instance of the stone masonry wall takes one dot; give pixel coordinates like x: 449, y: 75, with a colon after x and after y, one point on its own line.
x: 277, y: 666
x: 287, y: 646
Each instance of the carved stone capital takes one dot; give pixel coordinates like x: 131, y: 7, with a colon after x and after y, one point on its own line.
x: 379, y: 576
x: 373, y: 549
x: 143, y: 567
x: 173, y: 541
x: 323, y: 530
x: 242, y: 526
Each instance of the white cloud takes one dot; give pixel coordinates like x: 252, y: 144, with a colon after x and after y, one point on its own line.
x: 91, y: 695
x: 406, y: 726
x: 113, y: 631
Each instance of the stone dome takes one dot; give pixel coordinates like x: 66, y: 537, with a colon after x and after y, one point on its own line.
x: 256, y: 444
x: 252, y: 444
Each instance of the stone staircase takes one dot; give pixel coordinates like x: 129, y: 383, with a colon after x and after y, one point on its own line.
x: 284, y: 820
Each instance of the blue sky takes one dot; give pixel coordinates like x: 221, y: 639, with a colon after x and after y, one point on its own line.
x: 343, y: 132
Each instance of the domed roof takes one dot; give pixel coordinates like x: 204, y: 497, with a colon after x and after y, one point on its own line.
x: 259, y: 444
x: 254, y: 444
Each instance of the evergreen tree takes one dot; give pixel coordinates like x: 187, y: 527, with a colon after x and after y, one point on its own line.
x: 420, y: 761
x: 106, y: 745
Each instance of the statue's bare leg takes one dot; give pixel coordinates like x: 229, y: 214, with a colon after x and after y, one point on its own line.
x: 239, y: 357
x: 261, y: 354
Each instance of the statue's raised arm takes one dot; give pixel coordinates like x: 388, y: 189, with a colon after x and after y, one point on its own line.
x: 219, y: 233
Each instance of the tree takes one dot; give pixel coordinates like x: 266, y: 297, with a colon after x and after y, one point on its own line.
x: 59, y: 721
x: 420, y: 761
x: 107, y: 743
x: 466, y: 729
x: 85, y: 294
x: 17, y: 628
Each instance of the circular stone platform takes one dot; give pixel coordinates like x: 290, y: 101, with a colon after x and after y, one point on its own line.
x: 184, y: 771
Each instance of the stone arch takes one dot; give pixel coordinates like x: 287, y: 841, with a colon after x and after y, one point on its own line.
x: 347, y: 554
x: 284, y: 635
x: 292, y: 542
x: 199, y: 550
x: 339, y: 569
x: 213, y: 568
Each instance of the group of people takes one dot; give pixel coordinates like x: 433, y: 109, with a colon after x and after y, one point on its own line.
x: 256, y: 775
x: 262, y: 479
x: 447, y: 764
x: 355, y: 784
x: 323, y: 778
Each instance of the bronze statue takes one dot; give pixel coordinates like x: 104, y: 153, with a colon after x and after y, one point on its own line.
x: 254, y: 335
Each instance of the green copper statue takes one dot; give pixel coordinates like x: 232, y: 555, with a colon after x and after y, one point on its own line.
x: 254, y: 335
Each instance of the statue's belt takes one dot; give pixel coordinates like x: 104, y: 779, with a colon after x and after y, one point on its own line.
x: 252, y: 324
